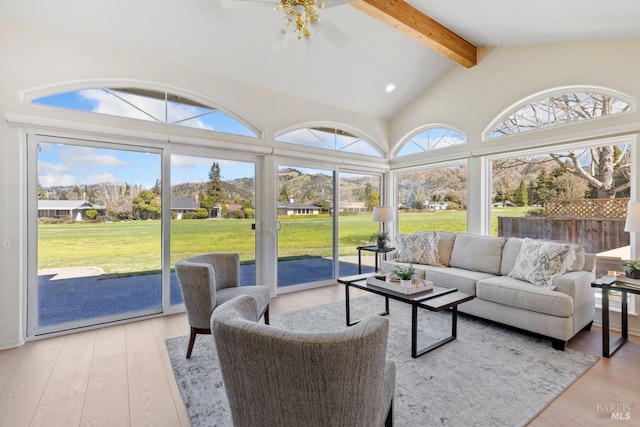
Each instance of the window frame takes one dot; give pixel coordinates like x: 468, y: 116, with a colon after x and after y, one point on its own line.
x: 522, y: 103
x: 337, y: 127
x: 433, y: 126
x: 30, y: 95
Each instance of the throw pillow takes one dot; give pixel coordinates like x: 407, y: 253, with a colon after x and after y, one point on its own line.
x: 418, y: 248
x: 539, y: 262
x: 579, y: 259
x: 430, y: 243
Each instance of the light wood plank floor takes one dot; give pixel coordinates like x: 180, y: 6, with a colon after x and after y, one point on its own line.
x: 121, y: 376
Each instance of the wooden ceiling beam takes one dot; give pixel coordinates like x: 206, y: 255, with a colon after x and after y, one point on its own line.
x: 410, y: 21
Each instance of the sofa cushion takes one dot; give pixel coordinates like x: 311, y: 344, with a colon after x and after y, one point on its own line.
x: 418, y: 248
x: 516, y: 293
x: 445, y: 246
x: 540, y: 261
x: 477, y: 253
x: 512, y: 247
x: 510, y: 253
x: 451, y: 277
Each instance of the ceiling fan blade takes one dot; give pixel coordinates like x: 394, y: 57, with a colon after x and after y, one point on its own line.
x: 332, y: 33
x: 233, y: 4
x: 334, y: 3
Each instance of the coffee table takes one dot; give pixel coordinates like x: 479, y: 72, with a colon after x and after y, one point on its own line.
x: 437, y: 299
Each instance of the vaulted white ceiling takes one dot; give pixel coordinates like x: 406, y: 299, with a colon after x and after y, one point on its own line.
x: 202, y: 35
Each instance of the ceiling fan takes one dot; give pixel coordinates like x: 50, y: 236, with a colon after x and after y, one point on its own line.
x: 301, y: 20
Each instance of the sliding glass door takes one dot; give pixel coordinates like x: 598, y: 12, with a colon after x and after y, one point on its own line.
x: 212, y: 210
x: 359, y: 194
x: 305, y: 215
x: 95, y: 219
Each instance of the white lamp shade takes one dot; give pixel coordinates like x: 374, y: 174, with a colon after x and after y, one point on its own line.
x: 382, y: 214
x: 633, y: 217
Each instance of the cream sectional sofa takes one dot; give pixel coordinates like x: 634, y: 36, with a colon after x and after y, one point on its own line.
x: 558, y: 306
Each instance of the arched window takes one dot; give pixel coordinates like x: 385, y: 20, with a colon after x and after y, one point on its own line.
x: 432, y: 139
x: 148, y: 105
x: 329, y: 138
x: 558, y: 109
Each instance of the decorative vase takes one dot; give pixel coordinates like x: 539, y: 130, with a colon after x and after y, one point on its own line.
x: 633, y: 274
x: 381, y: 244
x: 405, y: 283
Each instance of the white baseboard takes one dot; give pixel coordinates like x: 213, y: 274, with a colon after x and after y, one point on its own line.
x: 11, y: 344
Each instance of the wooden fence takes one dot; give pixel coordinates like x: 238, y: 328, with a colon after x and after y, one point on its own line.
x: 594, y: 234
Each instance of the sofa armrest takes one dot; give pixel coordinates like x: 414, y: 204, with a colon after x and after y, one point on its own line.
x: 577, y: 284
x: 589, y: 263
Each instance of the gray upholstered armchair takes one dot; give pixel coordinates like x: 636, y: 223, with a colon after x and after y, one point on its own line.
x: 275, y: 377
x: 207, y: 281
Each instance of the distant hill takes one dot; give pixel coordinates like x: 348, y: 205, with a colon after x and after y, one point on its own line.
x: 299, y: 186
x: 434, y: 184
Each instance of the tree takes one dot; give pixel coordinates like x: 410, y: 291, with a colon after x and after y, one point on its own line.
x: 307, y: 196
x: 146, y: 205
x: 76, y: 193
x: 214, y: 186
x: 157, y: 188
x: 373, y: 200
x: 91, y: 214
x: 607, y: 163
x: 207, y: 202
x: 42, y: 195
x: 520, y: 198
x: 542, y: 191
x: 605, y: 169
x: 283, y: 196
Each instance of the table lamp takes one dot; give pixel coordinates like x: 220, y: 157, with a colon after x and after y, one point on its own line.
x: 382, y: 214
x: 632, y: 223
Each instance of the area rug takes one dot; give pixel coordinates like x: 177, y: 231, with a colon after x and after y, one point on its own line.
x: 488, y: 376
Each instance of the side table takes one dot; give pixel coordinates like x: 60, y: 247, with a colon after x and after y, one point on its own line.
x: 375, y: 249
x: 625, y: 286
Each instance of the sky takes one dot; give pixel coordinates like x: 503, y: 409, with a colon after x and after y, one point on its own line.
x: 66, y: 164
x: 63, y: 164
x: 154, y: 108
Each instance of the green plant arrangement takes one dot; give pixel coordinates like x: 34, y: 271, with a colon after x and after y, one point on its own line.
x: 381, y: 238
x: 404, y: 273
x: 632, y: 268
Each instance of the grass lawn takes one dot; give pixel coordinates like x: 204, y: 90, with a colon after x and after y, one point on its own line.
x: 135, y: 246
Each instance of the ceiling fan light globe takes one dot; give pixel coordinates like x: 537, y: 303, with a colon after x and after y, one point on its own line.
x: 299, y: 9
x: 288, y: 24
x: 315, y: 27
x: 309, y: 42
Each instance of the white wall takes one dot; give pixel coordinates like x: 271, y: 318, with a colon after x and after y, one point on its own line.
x: 469, y: 99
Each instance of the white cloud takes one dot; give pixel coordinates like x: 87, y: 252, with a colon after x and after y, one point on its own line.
x: 122, y: 104
x: 101, y: 178
x: 107, y: 103
x: 178, y: 161
x: 54, y: 180
x: 45, y: 168
x: 89, y: 156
